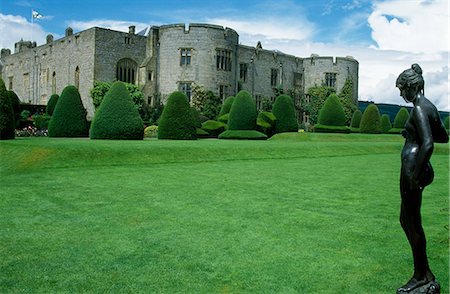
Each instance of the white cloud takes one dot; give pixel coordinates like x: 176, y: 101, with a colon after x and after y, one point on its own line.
x: 117, y: 25
x: 16, y: 27
x: 410, y: 26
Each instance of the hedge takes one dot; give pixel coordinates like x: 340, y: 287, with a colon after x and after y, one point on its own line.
x: 385, y: 123
x: 151, y: 131
x: 7, y: 121
x: 117, y: 117
x: 284, y: 111
x: 331, y: 129
x: 176, y: 121
x: 332, y: 113
x: 371, y: 120
x: 243, y: 134
x: 266, y: 122
x: 69, y: 116
x: 51, y: 104
x: 446, y: 122
x: 16, y: 106
x: 401, y: 118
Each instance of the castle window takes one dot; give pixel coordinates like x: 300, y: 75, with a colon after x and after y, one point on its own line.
x: 243, y: 71
x: 330, y: 79
x: 10, y: 87
x: 298, y: 79
x: 223, y: 59
x: 150, y: 75
x: 54, y: 83
x: 126, y: 70
x: 273, y: 77
x: 185, y: 56
x: 223, y: 92
x: 127, y: 40
x: 186, y: 88
x: 258, y: 101
x: 307, y: 98
x: 77, y: 77
x: 306, y: 118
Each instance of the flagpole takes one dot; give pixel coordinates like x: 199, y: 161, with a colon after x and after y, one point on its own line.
x: 32, y: 22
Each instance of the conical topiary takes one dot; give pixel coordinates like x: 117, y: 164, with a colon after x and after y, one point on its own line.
x: 226, y: 106
x: 371, y: 120
x: 15, y: 101
x: 69, y: 116
x: 400, y: 121
x: 242, y: 119
x: 446, y: 122
x: 51, y: 104
x: 176, y: 121
x: 117, y: 117
x: 332, y: 113
x: 385, y: 123
x: 356, y: 121
x: 284, y: 111
x: 7, y: 122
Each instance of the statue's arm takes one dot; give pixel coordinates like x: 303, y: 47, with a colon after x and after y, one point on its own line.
x: 425, y: 136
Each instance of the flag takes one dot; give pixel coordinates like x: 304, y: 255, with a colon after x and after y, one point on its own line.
x: 36, y: 15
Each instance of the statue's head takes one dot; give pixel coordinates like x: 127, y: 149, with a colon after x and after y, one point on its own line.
x: 410, y: 82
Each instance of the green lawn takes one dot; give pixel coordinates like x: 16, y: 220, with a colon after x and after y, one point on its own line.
x: 308, y: 213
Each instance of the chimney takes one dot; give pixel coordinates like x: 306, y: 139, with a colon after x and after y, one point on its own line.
x: 49, y: 38
x: 69, y: 31
x: 132, y: 30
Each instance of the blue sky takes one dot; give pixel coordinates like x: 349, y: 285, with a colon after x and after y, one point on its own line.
x: 385, y: 36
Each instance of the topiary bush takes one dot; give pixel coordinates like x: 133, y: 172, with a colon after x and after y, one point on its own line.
x: 400, y: 121
x: 284, y: 111
x: 385, y: 124
x: 7, y: 121
x: 356, y: 120
x: 446, y: 123
x: 51, y: 104
x: 151, y: 131
x: 266, y: 122
x: 214, y: 128
x: 371, y: 120
x: 16, y: 106
x: 69, y: 116
x: 242, y: 118
x: 331, y: 117
x: 226, y: 106
x: 117, y: 117
x: 176, y: 121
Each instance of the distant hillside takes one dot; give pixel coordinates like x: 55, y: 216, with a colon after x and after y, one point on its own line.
x: 392, y: 109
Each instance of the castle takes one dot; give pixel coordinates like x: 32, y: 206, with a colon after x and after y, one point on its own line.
x: 162, y: 59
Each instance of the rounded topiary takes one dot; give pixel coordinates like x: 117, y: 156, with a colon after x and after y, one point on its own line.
x: 446, y: 122
x: 242, y: 119
x: 117, y: 117
x: 371, y: 120
x: 176, y: 121
x: 226, y: 106
x: 243, y: 112
x: 401, y: 118
x: 385, y: 123
x: 69, y: 116
x: 284, y: 111
x: 151, y: 131
x: 332, y: 113
x: 214, y: 128
x: 7, y: 122
x: 15, y: 101
x: 356, y: 119
x: 51, y: 104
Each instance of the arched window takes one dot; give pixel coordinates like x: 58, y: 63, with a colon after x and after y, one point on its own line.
x: 126, y: 70
x: 54, y: 83
x: 77, y: 77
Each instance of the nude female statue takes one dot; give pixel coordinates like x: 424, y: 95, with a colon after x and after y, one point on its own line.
x: 422, y: 129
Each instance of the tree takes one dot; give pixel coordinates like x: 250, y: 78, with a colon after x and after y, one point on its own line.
x: 206, y: 102
x: 371, y: 120
x: 347, y: 100
x: 317, y: 96
x: 284, y: 111
x: 51, y: 104
x: 117, y: 118
x: 385, y: 124
x: 69, y: 116
x: 15, y: 101
x: 7, y: 122
x: 176, y: 121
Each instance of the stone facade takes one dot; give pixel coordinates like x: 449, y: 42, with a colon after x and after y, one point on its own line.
x: 164, y: 59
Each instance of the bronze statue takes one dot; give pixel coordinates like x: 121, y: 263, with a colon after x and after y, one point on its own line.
x: 422, y: 129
